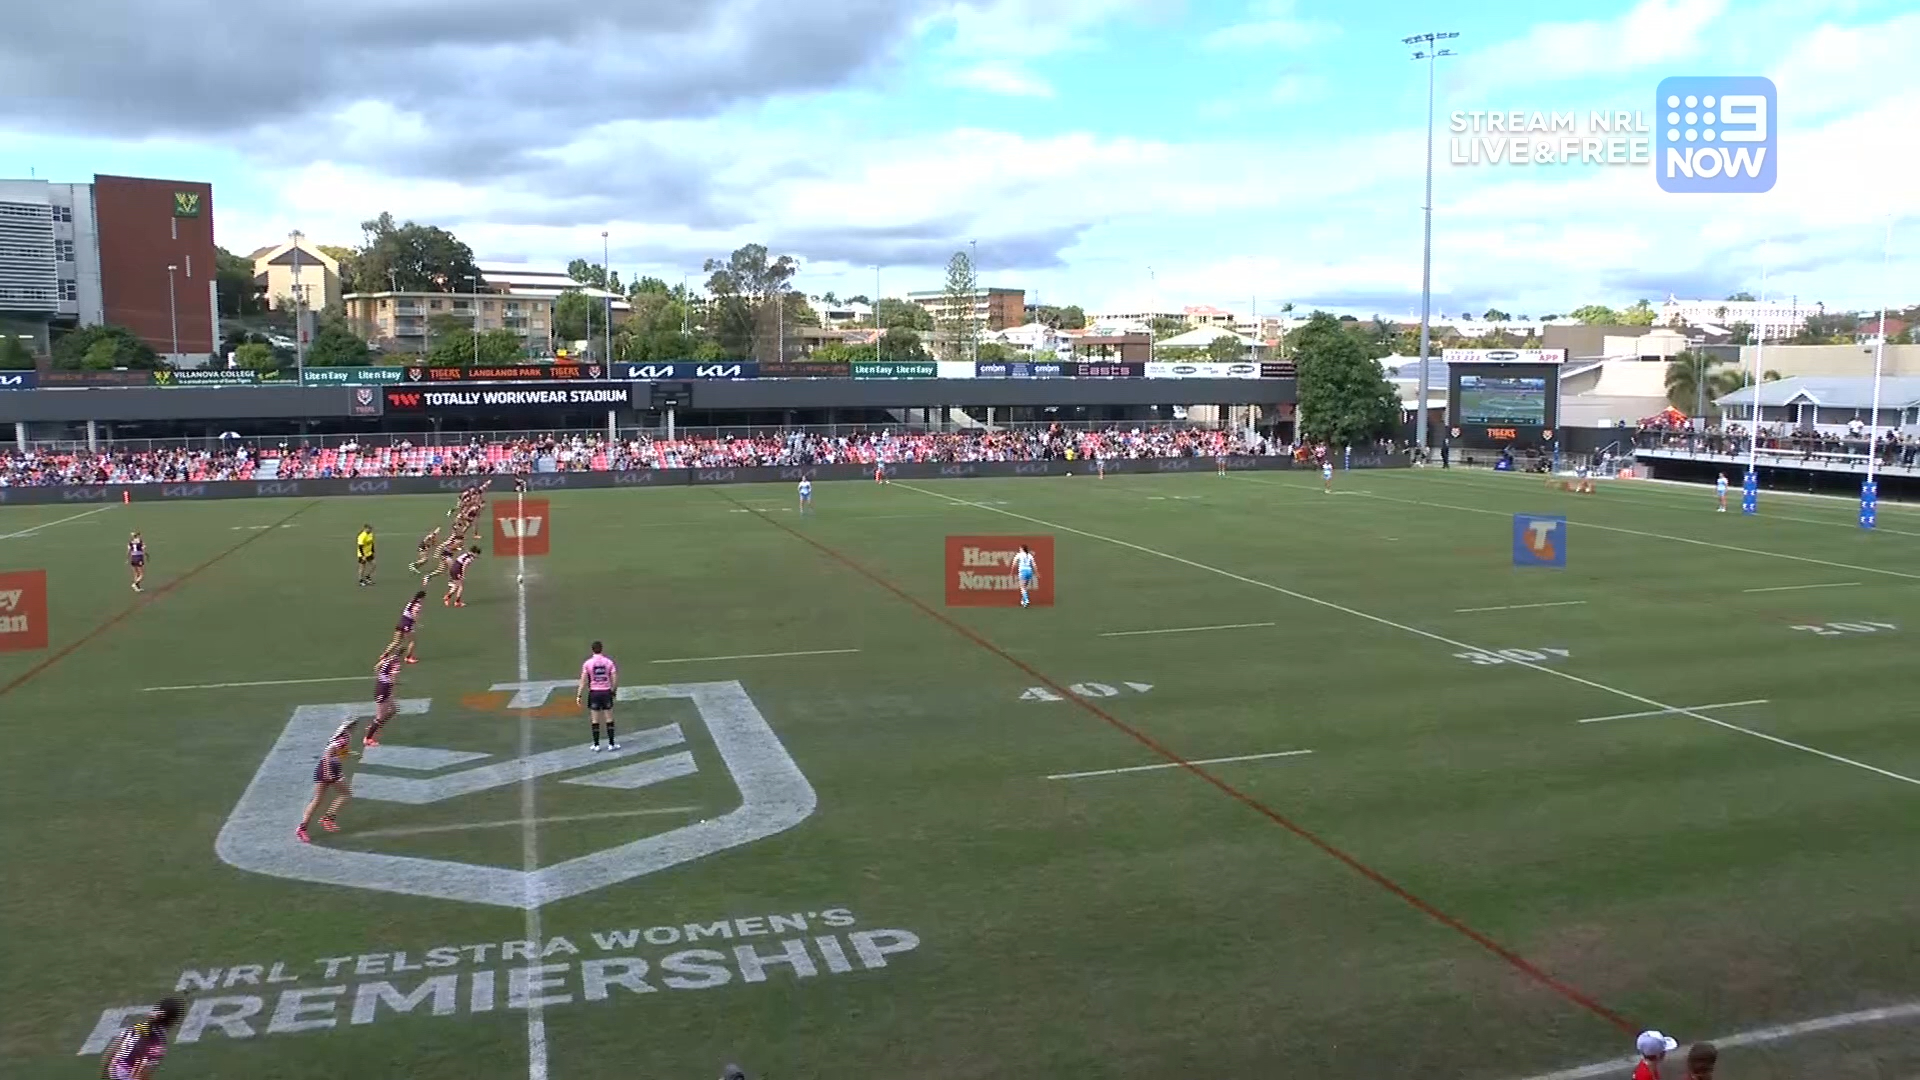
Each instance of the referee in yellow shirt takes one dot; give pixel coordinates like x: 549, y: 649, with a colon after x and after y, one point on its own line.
x: 363, y: 549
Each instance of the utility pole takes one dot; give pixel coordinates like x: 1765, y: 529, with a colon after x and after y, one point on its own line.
x: 173, y: 314
x: 606, y: 286
x: 1431, y: 53
x: 299, y: 324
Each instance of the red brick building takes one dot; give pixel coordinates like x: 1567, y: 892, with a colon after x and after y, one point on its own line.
x: 146, y: 227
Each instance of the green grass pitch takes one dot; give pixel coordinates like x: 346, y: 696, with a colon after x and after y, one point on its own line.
x: 869, y: 860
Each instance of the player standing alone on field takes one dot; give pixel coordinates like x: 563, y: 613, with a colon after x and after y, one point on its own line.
x: 806, y: 496
x: 1326, y: 475
x: 1023, y: 566
x: 363, y: 551
x: 457, y: 577
x: 137, y: 560
x: 599, y: 678
x: 330, y: 775
x: 139, y: 1047
x: 1720, y: 489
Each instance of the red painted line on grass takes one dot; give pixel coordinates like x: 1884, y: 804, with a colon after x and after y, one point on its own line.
x: 1515, y: 960
x: 137, y: 606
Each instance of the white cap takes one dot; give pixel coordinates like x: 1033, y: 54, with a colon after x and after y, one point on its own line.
x: 1652, y: 1043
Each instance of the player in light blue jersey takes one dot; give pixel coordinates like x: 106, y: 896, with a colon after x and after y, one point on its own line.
x: 1023, y: 566
x: 1720, y: 489
x: 806, y: 496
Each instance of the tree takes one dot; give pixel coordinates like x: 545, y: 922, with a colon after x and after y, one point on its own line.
x: 14, y: 355
x: 1693, y: 382
x: 348, y: 260
x: 335, y: 344
x: 1904, y: 337
x: 1495, y: 315
x: 595, y: 276
x: 495, y: 347
x: 579, y: 317
x: 412, y: 258
x: 904, y: 314
x: 1741, y: 333
x: 1225, y: 349
x: 747, y: 315
x: 960, y: 330
x: 860, y: 298
x: 1596, y: 315
x: 1070, y: 317
x: 233, y: 282
x: 1345, y: 397
x: 840, y: 352
x: 999, y: 352
x: 102, y: 347
x: 1640, y: 314
x: 1164, y: 326
x: 1741, y: 298
x: 256, y: 356
x: 902, y: 343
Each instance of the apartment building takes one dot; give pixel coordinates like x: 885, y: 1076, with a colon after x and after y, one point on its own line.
x: 297, y: 269
x: 1776, y: 318
x: 403, y: 322
x: 131, y: 251
x: 992, y: 309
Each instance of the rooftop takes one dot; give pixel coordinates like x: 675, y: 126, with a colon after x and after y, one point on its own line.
x: 1831, y: 391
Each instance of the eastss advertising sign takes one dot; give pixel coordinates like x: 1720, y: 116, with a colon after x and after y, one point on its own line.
x: 431, y: 401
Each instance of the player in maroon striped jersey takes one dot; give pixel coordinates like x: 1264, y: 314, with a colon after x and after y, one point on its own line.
x: 330, y: 776
x: 457, y: 577
x: 137, y: 559
x: 427, y: 543
x: 402, y: 643
x: 385, y: 672
x: 139, y: 1047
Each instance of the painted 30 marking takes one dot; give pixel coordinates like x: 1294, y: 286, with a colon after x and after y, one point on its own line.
x: 1512, y: 656
x: 1083, y: 689
x: 1842, y: 629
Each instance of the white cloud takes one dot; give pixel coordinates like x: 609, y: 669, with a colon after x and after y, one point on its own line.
x: 1841, y: 67
x: 1295, y: 88
x: 1654, y: 32
x: 1001, y: 79
x: 1030, y: 28
x: 1271, y: 24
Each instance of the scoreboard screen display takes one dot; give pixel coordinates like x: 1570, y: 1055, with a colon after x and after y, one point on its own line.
x: 1506, y: 400
x: 1503, y: 404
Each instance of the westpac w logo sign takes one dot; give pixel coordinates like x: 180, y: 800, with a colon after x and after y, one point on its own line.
x: 773, y: 797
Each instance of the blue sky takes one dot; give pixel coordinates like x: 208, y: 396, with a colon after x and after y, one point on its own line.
x: 1113, y: 153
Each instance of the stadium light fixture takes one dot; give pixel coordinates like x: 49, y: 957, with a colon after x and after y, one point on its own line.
x: 1428, y: 48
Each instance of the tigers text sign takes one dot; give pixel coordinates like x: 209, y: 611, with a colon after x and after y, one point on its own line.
x: 980, y: 570
x: 521, y: 527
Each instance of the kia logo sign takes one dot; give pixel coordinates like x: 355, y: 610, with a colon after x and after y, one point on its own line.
x: 956, y: 470
x: 368, y: 487
x: 652, y: 371
x: 1030, y: 468
x: 632, y: 479
x: 548, y: 480
x: 713, y: 476
x: 717, y: 371
x: 88, y: 494
x: 793, y: 474
x: 455, y: 484
x: 289, y: 488
x: 1173, y: 465
x: 183, y: 491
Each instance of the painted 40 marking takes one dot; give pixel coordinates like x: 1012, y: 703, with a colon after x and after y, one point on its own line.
x: 1512, y: 656
x: 1841, y: 629
x: 1083, y: 689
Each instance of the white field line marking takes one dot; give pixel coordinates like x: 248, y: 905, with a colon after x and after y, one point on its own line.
x: 1756, y: 1037
x: 1188, y: 629
x: 1654, y: 536
x: 56, y: 521
x: 1853, y: 499
x: 423, y: 830
x: 529, y: 823
x: 754, y: 656
x: 1431, y: 636
x: 1791, y: 588
x: 1177, y: 764
x: 266, y: 682
x: 1670, y: 712
x: 1517, y: 607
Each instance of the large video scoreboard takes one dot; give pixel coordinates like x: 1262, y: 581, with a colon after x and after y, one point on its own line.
x: 1503, y: 397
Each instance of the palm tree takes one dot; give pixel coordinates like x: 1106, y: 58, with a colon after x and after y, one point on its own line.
x: 1692, y: 381
x: 1286, y: 312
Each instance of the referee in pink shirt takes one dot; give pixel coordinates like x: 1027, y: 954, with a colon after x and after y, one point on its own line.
x: 599, y: 677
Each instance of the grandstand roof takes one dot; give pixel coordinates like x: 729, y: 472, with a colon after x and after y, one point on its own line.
x: 1833, y: 392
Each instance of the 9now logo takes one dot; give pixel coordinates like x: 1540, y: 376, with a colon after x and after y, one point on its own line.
x: 1716, y: 134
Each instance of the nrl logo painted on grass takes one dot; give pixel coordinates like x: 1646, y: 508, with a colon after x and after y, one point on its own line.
x: 774, y: 797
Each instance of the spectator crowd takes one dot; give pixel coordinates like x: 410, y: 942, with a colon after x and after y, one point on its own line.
x: 1732, y: 438
x: 580, y: 452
